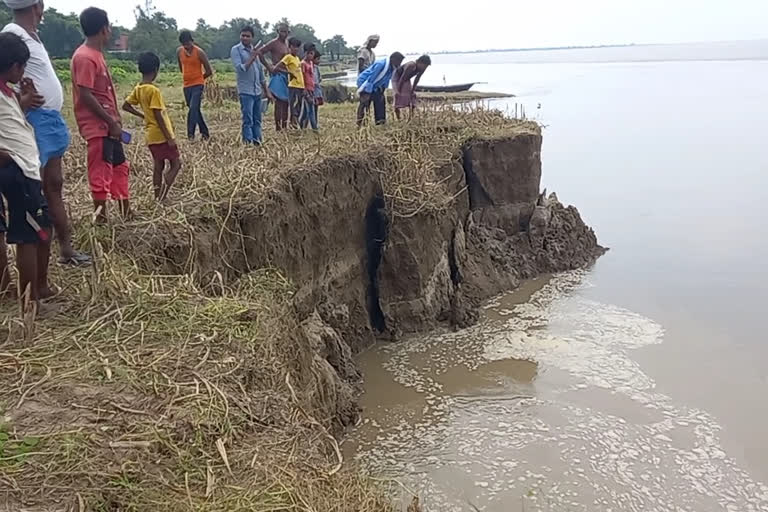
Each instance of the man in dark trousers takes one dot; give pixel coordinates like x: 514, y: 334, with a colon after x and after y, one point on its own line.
x: 371, y: 86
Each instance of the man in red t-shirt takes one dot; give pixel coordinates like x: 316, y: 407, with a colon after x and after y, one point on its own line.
x: 98, y: 118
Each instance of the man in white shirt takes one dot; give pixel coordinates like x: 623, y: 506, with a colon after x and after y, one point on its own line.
x: 366, y: 55
x: 28, y: 225
x: 44, y: 114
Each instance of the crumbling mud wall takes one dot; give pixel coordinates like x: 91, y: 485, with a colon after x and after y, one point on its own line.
x: 363, y: 271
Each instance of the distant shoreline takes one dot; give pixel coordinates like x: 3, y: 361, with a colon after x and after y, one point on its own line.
x: 541, y: 49
x: 597, y: 47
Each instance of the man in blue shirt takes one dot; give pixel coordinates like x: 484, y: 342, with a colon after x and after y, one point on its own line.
x: 251, y: 84
x: 372, y: 84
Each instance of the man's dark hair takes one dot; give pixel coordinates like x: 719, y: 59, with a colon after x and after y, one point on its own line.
x: 13, y: 50
x: 294, y: 42
x: 310, y: 46
x: 185, y: 36
x: 318, y: 53
x: 425, y: 59
x: 281, y: 26
x: 93, y: 20
x: 148, y: 63
x: 248, y: 29
x: 397, y: 56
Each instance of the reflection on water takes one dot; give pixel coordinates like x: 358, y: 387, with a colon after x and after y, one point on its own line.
x: 541, y: 407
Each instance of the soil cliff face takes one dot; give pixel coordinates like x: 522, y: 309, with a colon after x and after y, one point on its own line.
x: 364, y: 271
x: 441, y: 267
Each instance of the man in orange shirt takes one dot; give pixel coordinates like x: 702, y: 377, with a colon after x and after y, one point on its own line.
x: 97, y: 116
x: 195, y: 70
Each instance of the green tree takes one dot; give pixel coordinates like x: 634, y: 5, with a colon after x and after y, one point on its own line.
x: 229, y: 35
x: 218, y: 42
x: 203, y: 35
x: 60, y: 33
x: 302, y: 31
x: 155, y: 32
x: 335, y: 47
x: 306, y: 34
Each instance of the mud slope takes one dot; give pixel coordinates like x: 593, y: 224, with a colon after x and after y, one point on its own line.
x: 363, y: 270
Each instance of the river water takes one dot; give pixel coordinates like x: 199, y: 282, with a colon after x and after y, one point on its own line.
x: 639, y: 384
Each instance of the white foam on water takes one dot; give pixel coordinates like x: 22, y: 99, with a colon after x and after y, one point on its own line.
x: 555, y: 448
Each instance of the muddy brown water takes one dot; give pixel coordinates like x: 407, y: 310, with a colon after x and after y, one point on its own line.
x: 542, y: 407
x: 639, y: 384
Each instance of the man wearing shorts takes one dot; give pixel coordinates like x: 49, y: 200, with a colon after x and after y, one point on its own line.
x: 44, y: 114
x: 277, y: 49
x: 98, y: 118
x: 28, y: 225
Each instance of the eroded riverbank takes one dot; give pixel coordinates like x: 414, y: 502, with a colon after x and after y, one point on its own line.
x: 213, y: 343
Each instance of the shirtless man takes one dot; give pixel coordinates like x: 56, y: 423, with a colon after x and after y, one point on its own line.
x: 277, y: 49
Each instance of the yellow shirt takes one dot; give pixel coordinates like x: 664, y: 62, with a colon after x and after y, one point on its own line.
x: 293, y: 65
x: 149, y: 97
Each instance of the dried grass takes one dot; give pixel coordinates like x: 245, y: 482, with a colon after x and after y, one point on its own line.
x: 143, y: 393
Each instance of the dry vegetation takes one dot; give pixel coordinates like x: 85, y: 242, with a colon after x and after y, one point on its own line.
x: 143, y: 393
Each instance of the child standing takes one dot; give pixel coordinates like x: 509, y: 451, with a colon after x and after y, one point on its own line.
x: 319, y: 98
x: 292, y: 65
x: 28, y: 224
x: 308, y: 113
x: 97, y: 116
x: 159, y: 130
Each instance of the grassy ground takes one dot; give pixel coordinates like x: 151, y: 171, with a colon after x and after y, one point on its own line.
x: 142, y: 392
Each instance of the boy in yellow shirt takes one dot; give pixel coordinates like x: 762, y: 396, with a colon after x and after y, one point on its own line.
x: 291, y: 64
x: 159, y: 130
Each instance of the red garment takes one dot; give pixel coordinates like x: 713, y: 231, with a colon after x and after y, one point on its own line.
x: 89, y: 70
x: 163, y: 151
x: 106, y: 180
x: 308, y: 68
x: 6, y: 90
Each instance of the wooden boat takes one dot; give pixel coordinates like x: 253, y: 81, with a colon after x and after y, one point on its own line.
x: 445, y: 88
x: 334, y: 74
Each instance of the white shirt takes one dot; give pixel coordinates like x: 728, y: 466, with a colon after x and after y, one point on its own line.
x: 40, y: 70
x: 17, y: 137
x: 367, y: 55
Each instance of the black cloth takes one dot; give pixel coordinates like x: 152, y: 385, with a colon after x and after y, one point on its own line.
x: 23, y: 196
x: 113, y: 151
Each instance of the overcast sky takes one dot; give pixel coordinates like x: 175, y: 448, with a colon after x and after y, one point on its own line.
x: 430, y: 25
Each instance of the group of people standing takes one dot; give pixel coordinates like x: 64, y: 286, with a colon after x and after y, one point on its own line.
x: 34, y: 136
x: 374, y: 77
x: 294, y: 87
x: 33, y: 139
x: 295, y: 80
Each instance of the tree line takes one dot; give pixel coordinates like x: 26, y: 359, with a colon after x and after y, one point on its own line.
x: 156, y: 31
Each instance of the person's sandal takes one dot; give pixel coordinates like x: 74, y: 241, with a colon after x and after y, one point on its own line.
x: 78, y: 259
